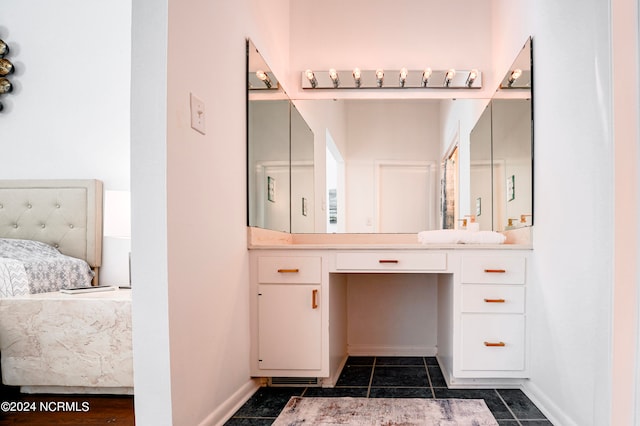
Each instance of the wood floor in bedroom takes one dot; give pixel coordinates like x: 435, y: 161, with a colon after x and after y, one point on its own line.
x: 67, y: 410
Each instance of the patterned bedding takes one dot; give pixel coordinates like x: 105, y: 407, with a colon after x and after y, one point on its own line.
x: 33, y: 267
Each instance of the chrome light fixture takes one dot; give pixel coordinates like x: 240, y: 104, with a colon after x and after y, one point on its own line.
x: 425, y: 78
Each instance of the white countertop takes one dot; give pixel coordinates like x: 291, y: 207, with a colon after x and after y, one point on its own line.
x: 262, y: 239
x: 340, y: 246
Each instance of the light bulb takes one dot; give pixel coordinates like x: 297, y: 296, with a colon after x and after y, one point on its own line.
x: 379, y: 77
x: 312, y: 78
x: 473, y: 74
x: 333, y: 75
x: 356, y: 76
x: 449, y: 76
x: 426, y: 74
x: 403, y: 76
x: 515, y: 74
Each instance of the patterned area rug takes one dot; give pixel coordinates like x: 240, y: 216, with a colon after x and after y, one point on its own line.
x: 385, y: 412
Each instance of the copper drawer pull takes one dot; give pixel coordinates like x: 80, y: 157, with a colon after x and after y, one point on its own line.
x: 494, y: 300
x: 494, y: 345
x: 495, y: 271
x: 387, y: 261
x: 288, y: 271
x: 314, y: 299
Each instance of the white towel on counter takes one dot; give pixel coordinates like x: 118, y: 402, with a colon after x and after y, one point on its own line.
x: 453, y: 236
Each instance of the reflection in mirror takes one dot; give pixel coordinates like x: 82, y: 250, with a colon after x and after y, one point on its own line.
x: 511, y: 136
x: 384, y: 159
x: 280, y: 151
x: 268, y: 171
x: 268, y: 164
x: 302, y: 175
x: 501, y: 152
x: 390, y: 152
x: 482, y: 188
x: 519, y: 75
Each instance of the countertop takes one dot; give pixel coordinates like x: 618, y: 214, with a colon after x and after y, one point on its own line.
x: 262, y: 239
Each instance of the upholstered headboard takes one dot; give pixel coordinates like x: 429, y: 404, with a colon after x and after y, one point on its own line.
x: 66, y: 214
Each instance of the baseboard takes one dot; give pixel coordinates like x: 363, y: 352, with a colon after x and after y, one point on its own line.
x: 225, y: 410
x: 386, y: 350
x: 547, y: 406
x: 329, y: 382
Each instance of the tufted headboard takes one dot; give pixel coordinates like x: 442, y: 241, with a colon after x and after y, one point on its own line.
x: 66, y: 214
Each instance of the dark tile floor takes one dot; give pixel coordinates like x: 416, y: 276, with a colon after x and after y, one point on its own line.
x: 391, y: 377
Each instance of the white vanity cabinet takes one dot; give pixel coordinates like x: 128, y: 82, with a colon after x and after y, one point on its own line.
x: 288, y: 314
x: 491, y: 340
x: 299, y: 309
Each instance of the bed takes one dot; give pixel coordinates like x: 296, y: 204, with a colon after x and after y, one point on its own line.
x: 50, y: 235
x: 49, y: 341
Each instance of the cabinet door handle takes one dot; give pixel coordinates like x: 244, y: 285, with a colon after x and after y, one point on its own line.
x: 495, y: 344
x: 494, y: 300
x: 288, y: 271
x: 314, y: 299
x: 388, y: 261
x: 495, y: 271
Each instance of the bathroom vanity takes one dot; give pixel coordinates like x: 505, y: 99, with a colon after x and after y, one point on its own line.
x: 299, y: 306
x: 303, y: 267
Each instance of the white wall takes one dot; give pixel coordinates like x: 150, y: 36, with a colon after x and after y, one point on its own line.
x: 68, y: 115
x: 389, y: 34
x: 202, y: 298
x: 571, y: 295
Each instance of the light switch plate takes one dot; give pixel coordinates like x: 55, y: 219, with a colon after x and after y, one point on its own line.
x: 197, y: 114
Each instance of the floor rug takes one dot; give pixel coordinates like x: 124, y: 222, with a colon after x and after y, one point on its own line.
x: 385, y: 412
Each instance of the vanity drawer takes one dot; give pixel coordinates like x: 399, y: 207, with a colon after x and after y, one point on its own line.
x: 493, y: 269
x: 290, y: 269
x: 493, y: 299
x: 493, y: 342
x: 391, y: 261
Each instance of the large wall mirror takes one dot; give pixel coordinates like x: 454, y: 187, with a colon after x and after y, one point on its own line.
x: 280, y: 151
x: 384, y: 159
x: 501, y: 152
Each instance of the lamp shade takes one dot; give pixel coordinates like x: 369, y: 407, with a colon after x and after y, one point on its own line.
x: 117, y: 214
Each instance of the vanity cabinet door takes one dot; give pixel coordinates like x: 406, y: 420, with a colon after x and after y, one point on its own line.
x: 289, y: 327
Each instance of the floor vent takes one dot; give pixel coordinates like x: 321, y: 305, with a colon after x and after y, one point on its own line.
x: 294, y: 381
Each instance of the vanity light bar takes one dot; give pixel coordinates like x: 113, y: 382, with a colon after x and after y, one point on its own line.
x: 392, y: 79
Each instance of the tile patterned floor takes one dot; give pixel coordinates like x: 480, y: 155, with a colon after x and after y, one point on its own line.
x: 391, y: 377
